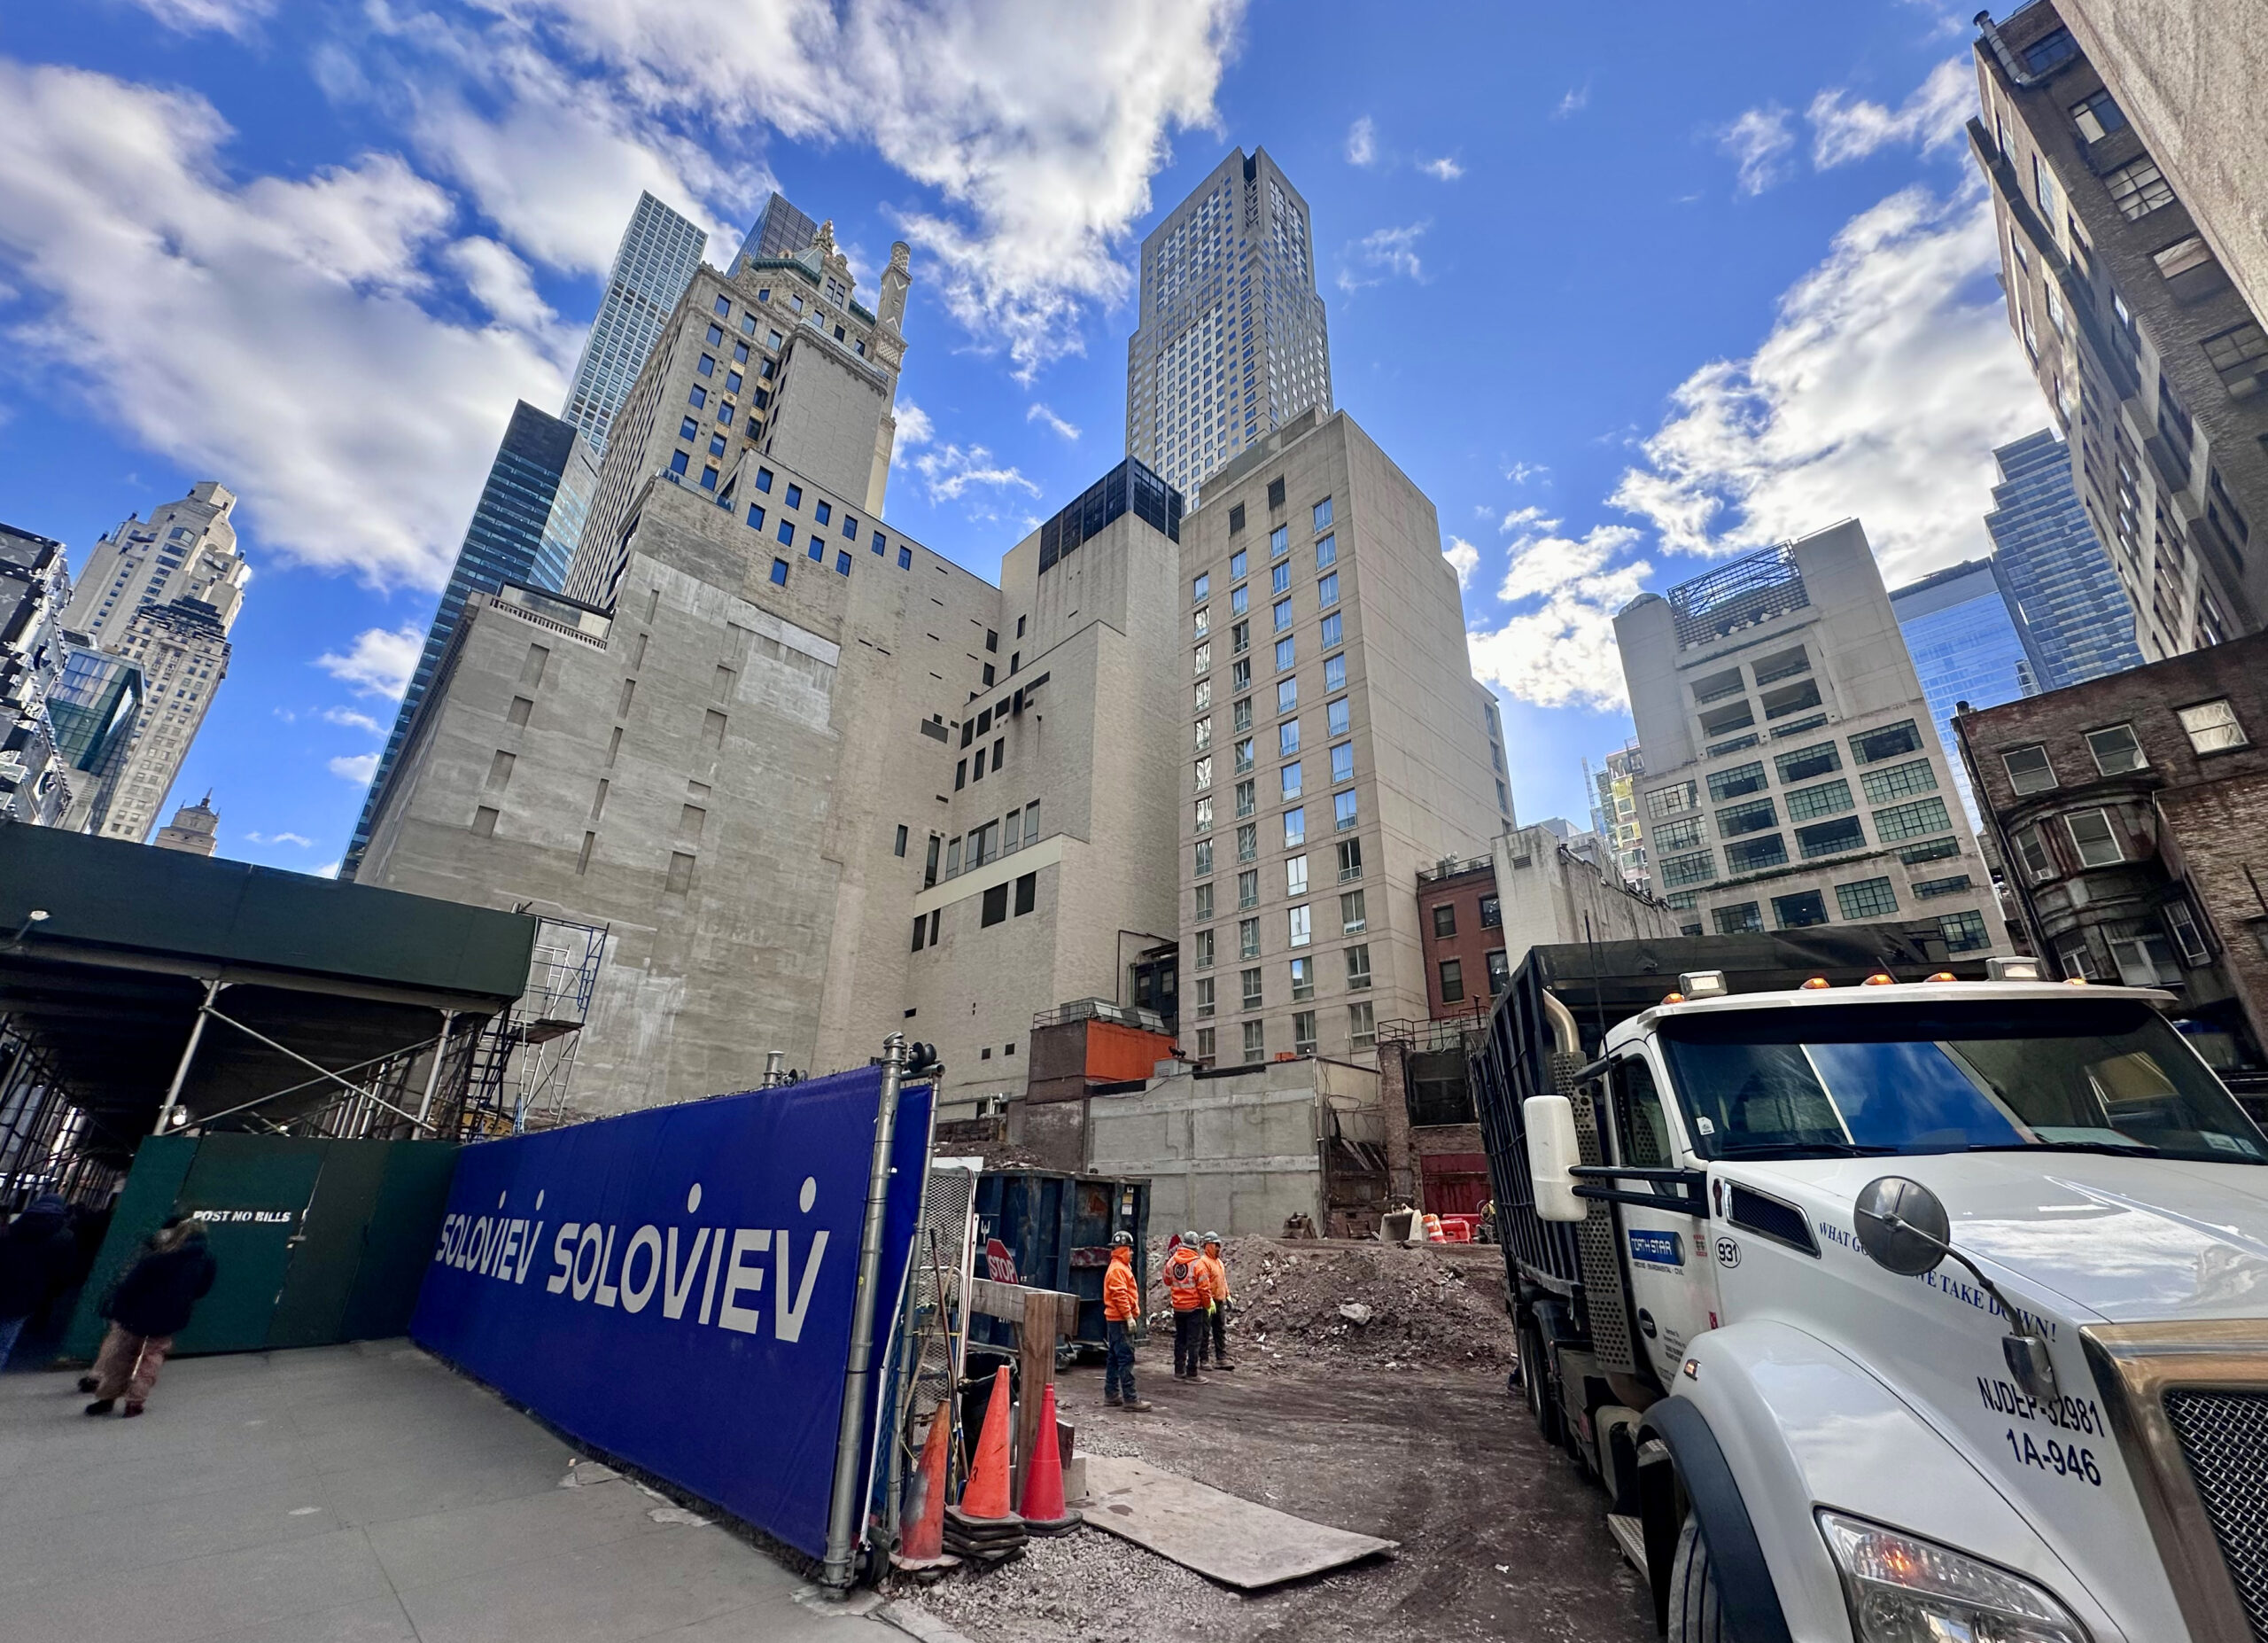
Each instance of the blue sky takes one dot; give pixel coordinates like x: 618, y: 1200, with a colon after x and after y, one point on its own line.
x: 1617, y: 299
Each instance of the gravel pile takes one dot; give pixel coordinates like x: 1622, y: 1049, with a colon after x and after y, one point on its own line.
x: 1085, y: 1587
x: 1369, y: 1302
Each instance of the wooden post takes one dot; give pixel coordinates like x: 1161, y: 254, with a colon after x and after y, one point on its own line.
x: 1036, y: 1369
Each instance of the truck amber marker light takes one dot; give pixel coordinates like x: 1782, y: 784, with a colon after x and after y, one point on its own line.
x: 1880, y: 979
x: 1816, y: 984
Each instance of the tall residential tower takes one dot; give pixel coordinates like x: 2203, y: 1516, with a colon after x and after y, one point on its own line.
x: 2075, y: 613
x: 658, y: 253
x: 1967, y: 637
x: 1229, y: 342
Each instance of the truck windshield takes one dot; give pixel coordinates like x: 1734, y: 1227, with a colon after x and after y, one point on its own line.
x: 2090, y: 1074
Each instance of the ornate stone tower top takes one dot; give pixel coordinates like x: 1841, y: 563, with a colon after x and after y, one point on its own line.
x: 896, y: 280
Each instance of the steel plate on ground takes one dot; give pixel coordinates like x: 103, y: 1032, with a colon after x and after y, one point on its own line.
x: 1220, y: 1536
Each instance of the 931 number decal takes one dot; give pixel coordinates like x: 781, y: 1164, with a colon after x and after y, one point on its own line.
x: 2063, y: 1460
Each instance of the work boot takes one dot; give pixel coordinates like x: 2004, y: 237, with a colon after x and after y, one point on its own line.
x: 1223, y: 1364
x: 100, y: 1406
x: 1197, y: 1380
x: 131, y: 1410
x: 1134, y: 1405
x: 1114, y: 1401
x: 87, y: 1384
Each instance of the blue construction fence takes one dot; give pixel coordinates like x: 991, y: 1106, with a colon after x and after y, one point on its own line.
x: 675, y: 1286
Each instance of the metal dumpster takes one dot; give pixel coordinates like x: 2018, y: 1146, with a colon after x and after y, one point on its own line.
x: 1053, y: 1231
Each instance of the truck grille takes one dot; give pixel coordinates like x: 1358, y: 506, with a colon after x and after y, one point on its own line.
x: 2225, y: 1439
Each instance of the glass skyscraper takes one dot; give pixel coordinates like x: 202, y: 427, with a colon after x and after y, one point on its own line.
x: 781, y: 231
x: 1229, y: 341
x: 654, y: 263
x: 524, y: 530
x: 2080, y: 624
x: 1967, y: 637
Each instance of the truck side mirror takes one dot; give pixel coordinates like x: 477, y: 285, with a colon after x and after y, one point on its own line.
x: 1902, y: 1225
x: 1553, y: 1152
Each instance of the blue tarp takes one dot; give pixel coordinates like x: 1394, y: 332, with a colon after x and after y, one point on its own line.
x: 674, y: 1287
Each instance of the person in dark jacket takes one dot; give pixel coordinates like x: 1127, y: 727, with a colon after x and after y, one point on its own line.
x: 33, y: 1251
x: 149, y: 1308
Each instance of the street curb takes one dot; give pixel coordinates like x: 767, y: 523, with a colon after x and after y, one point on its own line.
x: 917, y: 1622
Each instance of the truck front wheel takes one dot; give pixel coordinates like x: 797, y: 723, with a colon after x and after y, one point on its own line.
x: 1697, y: 1612
x: 1535, y: 1382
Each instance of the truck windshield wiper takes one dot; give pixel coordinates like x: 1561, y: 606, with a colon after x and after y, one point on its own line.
x: 2111, y: 1150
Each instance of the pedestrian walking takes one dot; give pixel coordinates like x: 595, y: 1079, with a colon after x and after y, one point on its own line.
x: 1122, y: 1305
x: 1218, y: 1314
x: 37, y: 1247
x: 150, y: 1306
x: 1191, y: 1286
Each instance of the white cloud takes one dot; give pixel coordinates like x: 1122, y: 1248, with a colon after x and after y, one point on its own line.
x: 949, y: 472
x: 299, y: 840
x: 357, y: 768
x: 1040, y: 413
x: 1760, y: 140
x: 1464, y: 558
x: 914, y: 430
x: 1037, y: 127
x: 193, y: 17
x: 1383, y: 256
x: 379, y: 663
x: 1888, y: 376
x: 353, y: 720
x: 1445, y: 169
x: 1578, y: 98
x: 1560, y: 651
x: 329, y: 869
x: 1362, y: 142
x: 1521, y: 472
x: 1931, y: 118
x: 1528, y: 518
x: 204, y: 316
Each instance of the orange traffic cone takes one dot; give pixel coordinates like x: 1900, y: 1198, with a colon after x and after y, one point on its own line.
x: 922, y: 1542
x: 987, y: 1493
x: 1044, y: 1512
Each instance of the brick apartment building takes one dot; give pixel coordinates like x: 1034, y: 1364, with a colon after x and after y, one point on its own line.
x: 2131, y: 817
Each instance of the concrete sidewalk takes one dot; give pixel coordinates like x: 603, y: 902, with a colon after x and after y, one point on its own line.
x: 354, y: 1494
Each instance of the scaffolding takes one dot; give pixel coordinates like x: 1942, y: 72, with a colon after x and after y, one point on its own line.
x: 521, y: 1065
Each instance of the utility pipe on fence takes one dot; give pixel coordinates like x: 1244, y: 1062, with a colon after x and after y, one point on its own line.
x: 844, y: 1505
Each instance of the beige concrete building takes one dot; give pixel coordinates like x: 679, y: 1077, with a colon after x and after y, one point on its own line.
x: 2189, y: 74
x: 194, y: 829
x: 1793, y: 775
x: 2147, y: 352
x: 1336, y: 742
x: 163, y: 593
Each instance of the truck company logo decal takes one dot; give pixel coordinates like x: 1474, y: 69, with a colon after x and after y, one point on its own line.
x: 1952, y: 1286
x: 1657, y: 1249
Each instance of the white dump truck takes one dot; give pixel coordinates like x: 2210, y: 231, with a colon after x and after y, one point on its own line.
x: 1892, y: 1299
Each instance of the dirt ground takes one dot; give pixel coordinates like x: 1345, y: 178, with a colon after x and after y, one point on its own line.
x: 1500, y: 1538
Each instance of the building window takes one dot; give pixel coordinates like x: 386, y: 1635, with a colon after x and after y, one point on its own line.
x: 1203, y: 863
x: 1204, y: 772
x: 1797, y: 911
x: 1236, y: 518
x: 1204, y: 658
x: 1279, y: 581
x: 1680, y: 835
x: 1248, y: 888
x: 1829, y: 838
x: 1899, y: 781
x: 1870, y: 898
x: 1445, y: 921
x: 2188, y: 935
x: 2098, y: 116
x: 2145, y: 960
x: 1284, y: 654
x: 2029, y: 771
x: 1287, y: 738
x: 1203, y: 992
x: 1752, y: 817
x: 1303, y: 1032
x: 680, y: 874
x: 1343, y: 818
x: 1202, y: 958
x: 1342, y: 762
x: 905, y: 559
x: 1296, y: 876
x: 1740, y: 779
x: 1248, y: 937
x: 1288, y: 695
x: 1964, y: 932
x: 1452, y: 976
x: 1803, y: 763
x: 2043, y: 190
x: 1739, y: 919
x: 1336, y: 716
x: 2213, y: 727
x: 842, y: 568
x: 1206, y: 1039
x: 2032, y: 850
x: 1256, y: 1046
x: 779, y: 572
x: 1323, y: 515
x: 1204, y: 816
x: 2239, y: 355
x: 1296, y: 826
x: 2188, y: 252
x: 1931, y: 889
x: 484, y: 822
x: 1500, y: 972
x: 1248, y: 981
x: 1891, y: 742
x: 1332, y: 632
x: 1240, y: 750
x: 1298, y: 926
x: 1334, y: 673
x: 1200, y: 589
x: 2137, y: 188
x: 1917, y: 820
x: 1362, y: 1033
x: 787, y: 532
x: 679, y: 461
x: 995, y: 906
x: 1027, y: 893
x: 1827, y: 799
x: 1248, y: 841
x: 2093, y: 838
x: 1491, y: 913
x: 1352, y: 917
x: 1326, y: 552
x: 1697, y: 868
x: 2116, y: 749
x: 1754, y: 855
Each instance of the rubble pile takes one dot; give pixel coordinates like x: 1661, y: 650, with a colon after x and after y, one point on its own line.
x: 1368, y: 1303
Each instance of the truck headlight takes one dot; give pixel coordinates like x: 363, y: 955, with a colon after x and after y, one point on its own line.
x: 1905, y: 1589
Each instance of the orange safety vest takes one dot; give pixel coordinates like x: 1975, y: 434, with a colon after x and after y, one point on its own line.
x: 1121, y: 1296
x: 1219, y: 1275
x: 1187, y: 1280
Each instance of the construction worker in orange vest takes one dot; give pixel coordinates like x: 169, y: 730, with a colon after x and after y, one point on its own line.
x: 1122, y: 1305
x: 1218, y: 1314
x: 1191, y: 1286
